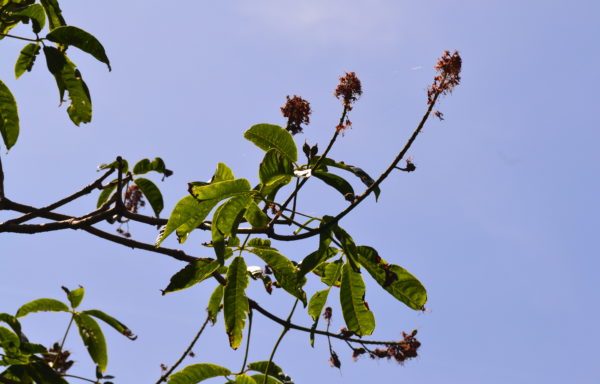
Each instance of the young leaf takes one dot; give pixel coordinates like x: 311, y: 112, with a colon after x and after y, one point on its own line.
x: 116, y: 324
x: 259, y: 243
x: 285, y: 272
x: 393, y: 278
x: 357, y: 316
x: 9, y: 117
x: 335, y: 181
x: 115, y: 165
x: 46, y: 305
x: 75, y: 296
x: 244, y: 379
x: 255, y: 216
x: 152, y: 193
x: 222, y: 173
x: 235, y: 303
x: 188, y: 214
x: 267, y: 136
x: 214, y: 303
x: 35, y: 13
x: 196, y: 373
x: 69, y: 35
x: 261, y: 366
x: 191, y: 274
x: 26, y: 59
x: 106, y: 194
x: 54, y: 13
x: 227, y: 215
x: 93, y: 338
x: 220, y: 190
x: 317, y: 302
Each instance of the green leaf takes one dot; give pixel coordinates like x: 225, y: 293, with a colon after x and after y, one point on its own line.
x: 9, y: 117
x: 260, y: 379
x: 393, y: 278
x: 357, y: 316
x: 47, y: 305
x: 220, y: 190
x: 259, y: 243
x: 157, y: 165
x: 93, y: 338
x: 41, y: 373
x: 9, y: 340
x: 187, y: 215
x: 35, y: 12
x: 115, y: 165
x: 214, y: 303
x: 152, y: 193
x: 331, y: 273
x: 196, y: 373
x: 348, y: 246
x: 227, y: 215
x: 192, y: 274
x: 255, y: 216
x: 75, y: 296
x: 222, y: 173
x: 114, y: 323
x: 335, y: 181
x: 285, y: 272
x: 324, y: 252
x: 106, y: 194
x: 261, y: 366
x: 12, y: 322
x: 317, y: 302
x: 54, y: 13
x: 26, y: 59
x: 69, y: 35
x: 268, y: 136
x: 275, y: 171
x: 358, y: 172
x: 235, y: 303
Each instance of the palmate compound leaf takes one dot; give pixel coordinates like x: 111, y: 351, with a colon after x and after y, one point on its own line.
x: 26, y: 59
x: 42, y: 305
x: 191, y: 274
x: 197, y: 373
x: 235, y: 303
x: 152, y: 193
x: 9, y: 117
x: 393, y: 278
x: 359, y: 319
x: 93, y: 338
x: 268, y: 136
x: 285, y: 272
x: 69, y: 35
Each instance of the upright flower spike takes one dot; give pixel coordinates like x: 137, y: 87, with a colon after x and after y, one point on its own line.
x: 448, y: 77
x: 297, y: 110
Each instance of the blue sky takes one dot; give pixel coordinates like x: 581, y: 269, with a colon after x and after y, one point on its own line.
x: 498, y: 221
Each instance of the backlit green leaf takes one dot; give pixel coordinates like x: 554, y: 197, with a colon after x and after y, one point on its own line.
x: 227, y: 216
x: 157, y: 165
x: 54, y: 13
x: 259, y: 378
x: 359, y: 319
x: 187, y: 215
x: 348, y: 246
x: 335, y: 181
x: 114, y: 323
x: 214, y: 303
x: 191, y: 274
x: 9, y: 117
x: 255, y: 216
x: 222, y: 173
x: 393, y: 278
x: 26, y: 59
x: 69, y: 35
x: 261, y: 366
x: 259, y: 243
x: 235, y: 303
x: 317, y: 302
x: 152, y: 193
x: 8, y: 339
x: 220, y: 190
x: 93, y: 338
x: 106, y: 194
x: 46, y: 305
x: 276, y: 170
x: 41, y: 373
x: 196, y: 373
x: 244, y: 379
x: 285, y: 272
x: 35, y: 13
x: 268, y: 136
x: 75, y: 296
x: 358, y: 172
x: 332, y: 272
x: 324, y: 252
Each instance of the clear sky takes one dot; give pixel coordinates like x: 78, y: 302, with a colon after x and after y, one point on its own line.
x: 498, y: 221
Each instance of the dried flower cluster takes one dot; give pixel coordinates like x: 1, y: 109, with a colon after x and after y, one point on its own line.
x: 133, y: 199
x: 448, y: 77
x: 58, y: 359
x: 297, y: 110
x: 405, y: 349
x: 349, y: 89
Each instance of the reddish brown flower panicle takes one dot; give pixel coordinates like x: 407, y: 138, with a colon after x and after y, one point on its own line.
x: 349, y: 89
x: 448, y: 77
x: 297, y: 110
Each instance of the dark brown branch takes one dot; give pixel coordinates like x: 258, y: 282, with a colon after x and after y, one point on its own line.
x: 69, y: 223
x: 254, y: 305
x: 97, y: 184
x: 1, y: 182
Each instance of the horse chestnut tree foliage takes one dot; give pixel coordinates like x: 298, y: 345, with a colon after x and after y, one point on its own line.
x: 240, y: 217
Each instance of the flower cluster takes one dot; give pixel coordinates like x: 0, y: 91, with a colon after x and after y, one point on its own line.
x: 448, y: 77
x: 58, y: 359
x: 133, y: 199
x: 349, y: 89
x: 400, y: 351
x: 297, y: 110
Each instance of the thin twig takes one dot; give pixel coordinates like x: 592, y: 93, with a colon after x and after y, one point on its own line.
x: 1, y: 181
x: 187, y: 351
x: 286, y: 328
x: 21, y: 38
x: 247, y: 341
